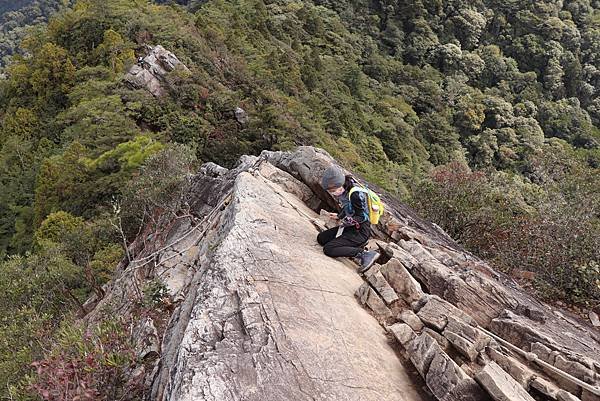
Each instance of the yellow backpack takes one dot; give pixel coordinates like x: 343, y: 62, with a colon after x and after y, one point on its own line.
x: 374, y: 202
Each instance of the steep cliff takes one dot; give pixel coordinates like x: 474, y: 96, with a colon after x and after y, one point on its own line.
x: 256, y: 311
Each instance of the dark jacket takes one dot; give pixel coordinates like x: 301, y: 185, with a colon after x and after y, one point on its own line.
x: 356, y: 206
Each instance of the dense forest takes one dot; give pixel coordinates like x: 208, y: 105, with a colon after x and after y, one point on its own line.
x: 483, y: 115
x: 17, y: 16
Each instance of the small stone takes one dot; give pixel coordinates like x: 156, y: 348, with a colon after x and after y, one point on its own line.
x: 436, y: 311
x: 403, y: 333
x: 574, y: 368
x: 467, y: 390
x: 368, y: 296
x: 545, y: 387
x: 440, y: 339
x: 463, y: 345
x: 409, y: 317
x: 421, y: 352
x: 594, y: 319
x: 393, y: 250
x: 443, y: 374
x: 240, y: 115
x: 382, y: 287
x: 587, y: 396
x: 468, y: 340
x: 542, y: 352
x: 521, y: 373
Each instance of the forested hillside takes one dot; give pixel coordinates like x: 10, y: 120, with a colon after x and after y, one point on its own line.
x: 484, y: 115
x: 16, y: 16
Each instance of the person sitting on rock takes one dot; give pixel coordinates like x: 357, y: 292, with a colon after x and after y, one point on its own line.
x: 349, y: 238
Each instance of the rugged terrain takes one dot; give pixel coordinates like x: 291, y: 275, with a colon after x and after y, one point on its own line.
x: 255, y: 311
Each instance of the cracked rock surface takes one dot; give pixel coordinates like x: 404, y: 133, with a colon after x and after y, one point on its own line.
x: 256, y: 311
x: 272, y: 318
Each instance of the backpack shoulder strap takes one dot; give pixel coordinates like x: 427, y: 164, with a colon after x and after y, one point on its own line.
x: 357, y: 188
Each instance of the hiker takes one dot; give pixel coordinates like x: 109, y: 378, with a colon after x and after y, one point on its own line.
x: 351, y: 236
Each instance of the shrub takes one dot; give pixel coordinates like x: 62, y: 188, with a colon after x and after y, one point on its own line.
x: 85, y: 365
x: 552, y: 229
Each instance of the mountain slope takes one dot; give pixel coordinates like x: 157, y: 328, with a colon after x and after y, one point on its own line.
x: 482, y: 114
x: 18, y: 15
x: 256, y: 311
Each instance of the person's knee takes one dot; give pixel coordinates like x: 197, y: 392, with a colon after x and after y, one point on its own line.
x: 322, y: 238
x: 329, y: 250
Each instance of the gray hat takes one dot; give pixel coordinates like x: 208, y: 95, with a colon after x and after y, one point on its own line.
x: 333, y: 177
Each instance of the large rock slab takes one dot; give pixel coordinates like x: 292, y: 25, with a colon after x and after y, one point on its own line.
x: 402, y: 281
x: 270, y: 317
x: 500, y: 385
x: 436, y: 311
x: 260, y: 313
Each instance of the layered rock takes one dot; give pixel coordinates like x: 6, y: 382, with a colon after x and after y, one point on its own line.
x: 258, y: 312
x: 150, y: 71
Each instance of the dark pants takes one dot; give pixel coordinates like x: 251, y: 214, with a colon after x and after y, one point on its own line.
x: 349, y: 244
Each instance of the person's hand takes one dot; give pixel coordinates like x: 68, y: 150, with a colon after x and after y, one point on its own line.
x: 333, y: 215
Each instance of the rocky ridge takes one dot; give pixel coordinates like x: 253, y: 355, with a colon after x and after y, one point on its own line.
x: 150, y: 71
x: 256, y: 311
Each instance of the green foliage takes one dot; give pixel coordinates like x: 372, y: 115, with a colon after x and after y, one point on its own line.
x: 127, y: 155
x: 159, y: 188
x: 155, y: 293
x: 99, y: 123
x: 57, y: 226
x: 501, y: 94
x: 87, y: 364
x: 550, y: 228
x: 59, y: 182
x: 16, y: 16
x: 114, y: 52
x: 36, y: 291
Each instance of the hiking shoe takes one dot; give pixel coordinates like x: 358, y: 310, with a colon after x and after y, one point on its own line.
x: 365, y: 259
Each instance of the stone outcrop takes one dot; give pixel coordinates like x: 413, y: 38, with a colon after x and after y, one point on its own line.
x: 150, y: 71
x: 257, y: 312
x: 500, y: 385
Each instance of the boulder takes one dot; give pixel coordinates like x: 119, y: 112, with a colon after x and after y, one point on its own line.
x: 421, y: 352
x: 520, y: 372
x: 500, y: 385
x: 435, y: 312
x: 382, y: 287
x: 403, y: 333
x: 410, y: 318
x: 367, y: 296
x: 150, y: 72
x: 241, y: 116
x: 468, y: 340
x: 401, y: 281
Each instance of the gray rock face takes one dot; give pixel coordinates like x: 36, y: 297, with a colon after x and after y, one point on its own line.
x: 150, y: 71
x: 258, y: 312
x: 269, y: 317
x: 240, y: 115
